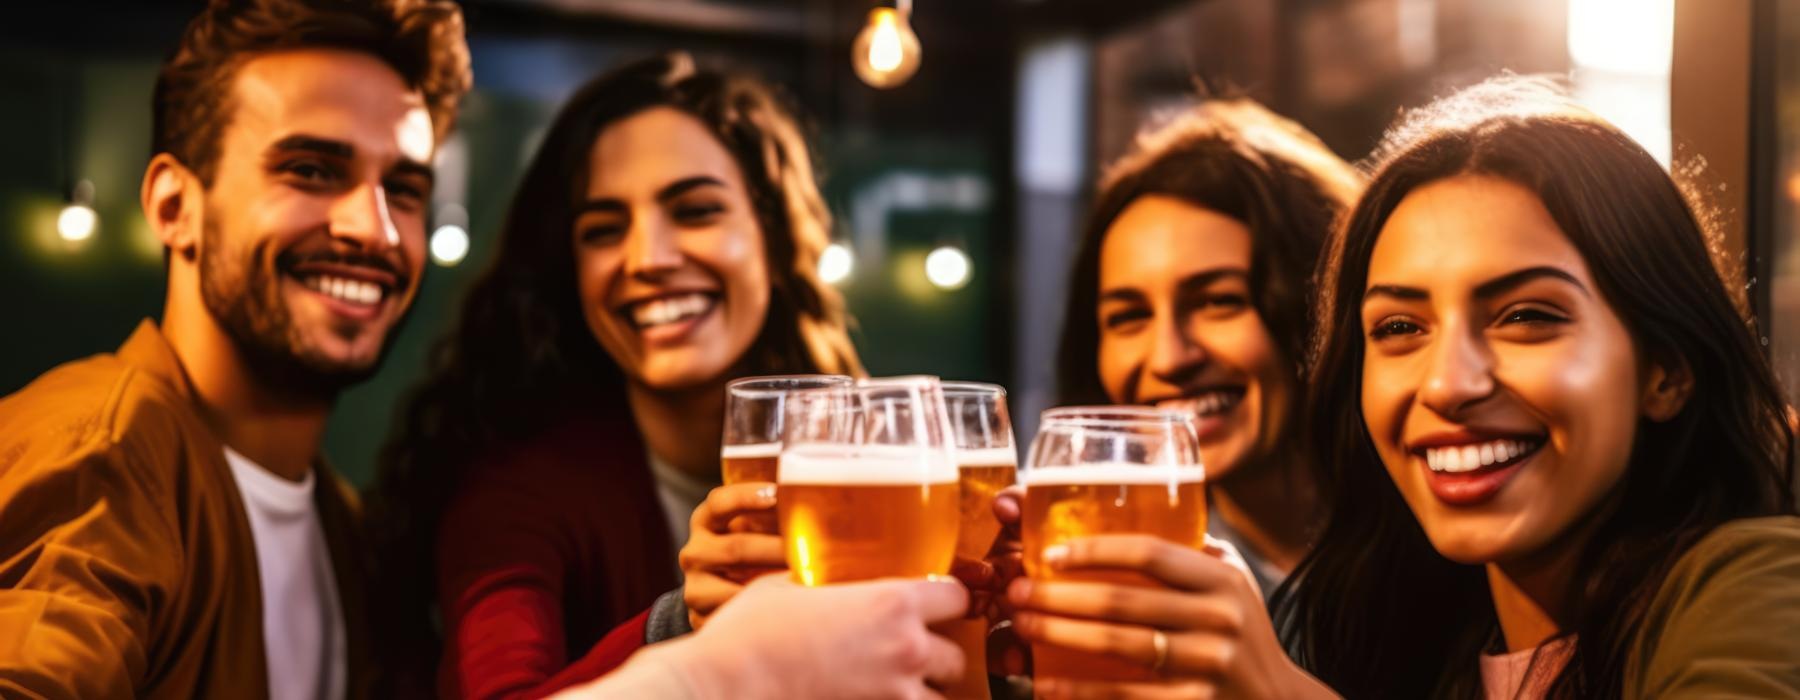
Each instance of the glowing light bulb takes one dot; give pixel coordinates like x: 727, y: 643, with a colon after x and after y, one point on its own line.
x: 884, y: 46
x: 886, y: 52
x: 947, y: 268
x: 76, y: 222
x: 835, y: 264
x: 449, y: 245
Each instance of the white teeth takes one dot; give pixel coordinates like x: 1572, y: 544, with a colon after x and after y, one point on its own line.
x: 353, y: 291
x: 1207, y: 404
x: 672, y: 309
x: 1467, y: 458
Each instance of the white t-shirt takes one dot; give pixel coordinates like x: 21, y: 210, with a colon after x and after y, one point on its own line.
x: 303, y: 624
x: 680, y: 494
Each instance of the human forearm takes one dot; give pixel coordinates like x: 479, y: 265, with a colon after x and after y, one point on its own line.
x: 686, y: 669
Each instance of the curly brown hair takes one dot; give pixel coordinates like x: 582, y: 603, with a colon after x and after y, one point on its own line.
x: 521, y: 354
x: 421, y: 39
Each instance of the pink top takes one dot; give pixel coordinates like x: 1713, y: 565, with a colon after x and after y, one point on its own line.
x: 1503, y: 675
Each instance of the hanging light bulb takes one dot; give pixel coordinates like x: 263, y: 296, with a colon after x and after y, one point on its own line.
x: 886, y: 52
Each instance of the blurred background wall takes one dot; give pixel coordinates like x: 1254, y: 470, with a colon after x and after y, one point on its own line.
x: 990, y: 151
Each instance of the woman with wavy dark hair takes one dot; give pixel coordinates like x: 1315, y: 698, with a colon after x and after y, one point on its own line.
x: 1191, y: 291
x: 663, y: 242
x: 1556, y: 461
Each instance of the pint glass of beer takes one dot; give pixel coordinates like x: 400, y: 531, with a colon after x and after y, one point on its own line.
x: 752, y: 437
x: 753, y: 407
x: 987, y: 461
x: 868, y: 482
x: 1109, y: 470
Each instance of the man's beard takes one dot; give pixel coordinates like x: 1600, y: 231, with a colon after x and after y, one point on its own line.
x: 245, y: 298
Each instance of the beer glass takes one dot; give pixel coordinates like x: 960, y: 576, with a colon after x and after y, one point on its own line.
x: 1109, y: 470
x: 987, y: 462
x: 753, y: 422
x: 868, y: 481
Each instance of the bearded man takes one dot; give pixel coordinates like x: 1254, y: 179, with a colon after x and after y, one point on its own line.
x: 167, y: 527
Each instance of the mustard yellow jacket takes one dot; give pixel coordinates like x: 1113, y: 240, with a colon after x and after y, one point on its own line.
x: 127, y: 564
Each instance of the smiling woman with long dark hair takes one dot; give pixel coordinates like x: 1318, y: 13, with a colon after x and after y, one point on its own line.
x: 1191, y: 291
x: 1553, y: 431
x: 663, y: 242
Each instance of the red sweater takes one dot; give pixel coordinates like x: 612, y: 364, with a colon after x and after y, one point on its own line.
x: 546, y: 548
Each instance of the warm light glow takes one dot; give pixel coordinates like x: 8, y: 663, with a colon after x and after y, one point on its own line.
x: 1621, y: 50
x: 947, y: 268
x: 1622, y: 36
x: 886, y: 52
x: 76, y: 223
x: 835, y: 264
x: 884, y: 44
x: 449, y: 245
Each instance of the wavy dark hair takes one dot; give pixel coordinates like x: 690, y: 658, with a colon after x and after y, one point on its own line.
x: 1375, y: 611
x: 522, y: 355
x: 1234, y: 157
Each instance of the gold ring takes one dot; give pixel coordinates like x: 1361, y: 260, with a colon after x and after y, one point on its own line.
x: 1160, y: 642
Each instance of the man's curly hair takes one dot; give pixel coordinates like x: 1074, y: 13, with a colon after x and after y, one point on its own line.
x: 422, y: 40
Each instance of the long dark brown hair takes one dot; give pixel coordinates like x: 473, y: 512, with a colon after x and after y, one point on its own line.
x: 522, y: 356
x: 1237, y: 158
x: 1375, y: 611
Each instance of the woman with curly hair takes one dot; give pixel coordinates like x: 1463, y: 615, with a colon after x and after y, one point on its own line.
x: 663, y: 241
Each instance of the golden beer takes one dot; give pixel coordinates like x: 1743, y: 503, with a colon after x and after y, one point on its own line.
x: 742, y: 463
x: 854, y: 513
x: 1066, y: 503
x: 982, y: 474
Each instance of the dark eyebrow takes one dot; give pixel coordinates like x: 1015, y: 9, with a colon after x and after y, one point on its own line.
x: 1395, y: 291
x: 1486, y: 290
x: 1198, y: 280
x: 1512, y: 280
x: 673, y: 190
x: 1121, y: 295
x: 415, y: 168
x: 338, y: 149
x: 684, y: 185
x: 321, y: 146
x: 607, y: 206
x: 1201, y: 280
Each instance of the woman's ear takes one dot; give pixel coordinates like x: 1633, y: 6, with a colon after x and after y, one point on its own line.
x: 1666, y: 388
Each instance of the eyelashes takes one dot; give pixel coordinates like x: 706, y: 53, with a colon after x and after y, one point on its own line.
x: 1525, y: 318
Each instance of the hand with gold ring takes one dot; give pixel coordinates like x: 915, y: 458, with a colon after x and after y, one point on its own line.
x: 1205, y: 633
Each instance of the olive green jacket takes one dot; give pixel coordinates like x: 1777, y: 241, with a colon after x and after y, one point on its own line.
x: 1726, y: 621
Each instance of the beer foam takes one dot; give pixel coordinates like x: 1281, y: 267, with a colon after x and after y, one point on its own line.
x: 767, y: 449
x: 1116, y: 473
x: 988, y: 457
x: 864, y: 465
